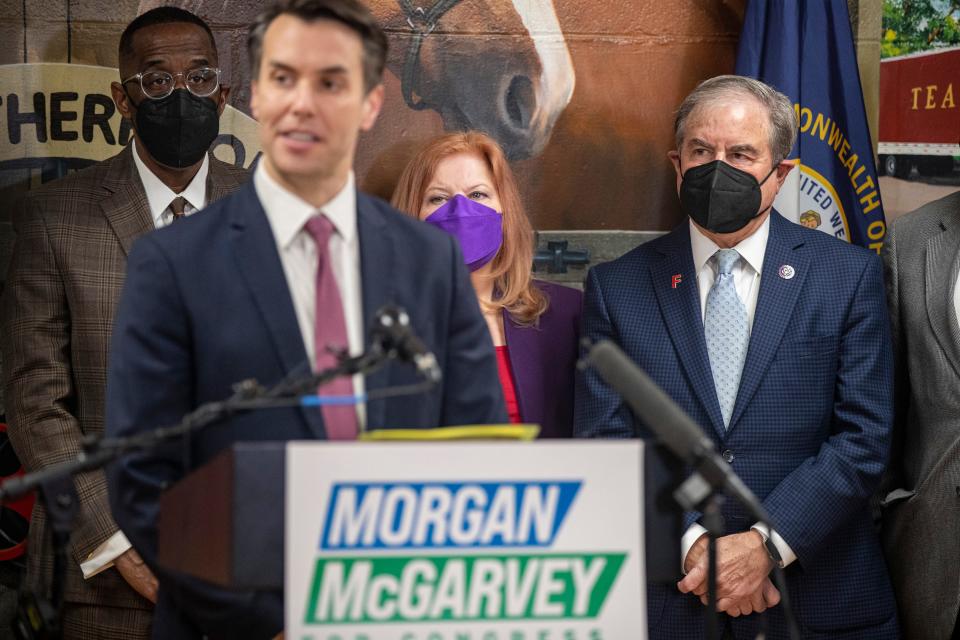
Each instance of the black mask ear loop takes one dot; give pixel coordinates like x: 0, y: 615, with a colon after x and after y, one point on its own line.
x: 683, y: 174
x: 760, y: 184
x: 129, y: 97
x: 769, y: 174
x: 133, y: 119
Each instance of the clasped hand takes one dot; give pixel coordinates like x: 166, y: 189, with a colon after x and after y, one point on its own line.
x: 743, y: 566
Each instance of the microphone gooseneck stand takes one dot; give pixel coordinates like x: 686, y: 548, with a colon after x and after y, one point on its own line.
x: 712, y: 476
x: 715, y: 526
x: 40, y: 619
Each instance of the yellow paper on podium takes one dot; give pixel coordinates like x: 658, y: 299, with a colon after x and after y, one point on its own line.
x: 461, y: 432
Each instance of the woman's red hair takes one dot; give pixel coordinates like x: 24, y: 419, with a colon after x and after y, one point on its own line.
x: 513, y: 265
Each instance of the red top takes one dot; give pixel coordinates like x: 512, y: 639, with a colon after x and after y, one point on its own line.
x: 506, y: 381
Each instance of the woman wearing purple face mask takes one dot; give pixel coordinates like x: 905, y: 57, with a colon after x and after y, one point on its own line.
x: 462, y: 184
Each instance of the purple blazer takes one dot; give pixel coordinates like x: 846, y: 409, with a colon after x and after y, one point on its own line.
x: 544, y: 360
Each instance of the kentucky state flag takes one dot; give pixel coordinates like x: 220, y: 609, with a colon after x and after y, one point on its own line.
x: 804, y: 48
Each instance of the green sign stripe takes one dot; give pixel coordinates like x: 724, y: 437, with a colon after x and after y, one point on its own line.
x: 371, y: 589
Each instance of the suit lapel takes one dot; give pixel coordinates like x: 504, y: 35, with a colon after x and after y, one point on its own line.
x: 777, y: 298
x: 126, y: 208
x: 526, y: 359
x: 259, y: 266
x: 680, y: 307
x: 219, y: 183
x: 942, y: 269
x: 376, y: 269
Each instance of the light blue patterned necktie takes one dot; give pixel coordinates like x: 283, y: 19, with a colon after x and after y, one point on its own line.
x: 727, y: 332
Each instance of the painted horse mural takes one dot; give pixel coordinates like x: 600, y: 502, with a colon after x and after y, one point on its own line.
x: 500, y: 66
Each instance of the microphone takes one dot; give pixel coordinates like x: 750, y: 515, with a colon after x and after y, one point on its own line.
x: 392, y: 333
x: 673, y: 427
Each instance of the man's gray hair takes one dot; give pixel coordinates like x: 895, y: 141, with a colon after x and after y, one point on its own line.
x: 783, y: 119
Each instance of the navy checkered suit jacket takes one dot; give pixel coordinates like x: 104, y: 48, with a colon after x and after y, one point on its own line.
x: 810, y: 428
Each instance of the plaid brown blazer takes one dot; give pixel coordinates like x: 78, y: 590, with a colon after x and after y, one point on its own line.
x: 56, y: 317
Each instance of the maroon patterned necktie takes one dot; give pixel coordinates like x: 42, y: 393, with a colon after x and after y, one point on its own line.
x: 330, y: 335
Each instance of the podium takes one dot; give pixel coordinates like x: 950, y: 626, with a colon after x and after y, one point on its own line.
x: 223, y: 523
x: 442, y: 517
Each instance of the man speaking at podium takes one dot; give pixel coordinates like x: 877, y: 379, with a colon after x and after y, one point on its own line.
x: 262, y: 284
x: 774, y: 338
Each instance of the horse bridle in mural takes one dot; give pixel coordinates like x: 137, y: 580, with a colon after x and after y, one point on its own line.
x: 422, y: 22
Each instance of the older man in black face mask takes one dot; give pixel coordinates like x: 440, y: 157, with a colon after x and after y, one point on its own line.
x: 64, y: 281
x: 774, y: 338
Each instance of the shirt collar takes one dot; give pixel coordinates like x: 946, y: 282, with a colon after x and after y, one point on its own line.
x: 160, y: 195
x: 288, y: 212
x: 751, y: 249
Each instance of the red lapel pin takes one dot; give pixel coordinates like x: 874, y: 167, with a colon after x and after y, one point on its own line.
x: 675, y: 280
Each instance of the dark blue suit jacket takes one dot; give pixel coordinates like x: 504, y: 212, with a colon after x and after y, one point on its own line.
x: 544, y: 360
x: 206, y: 304
x: 810, y: 429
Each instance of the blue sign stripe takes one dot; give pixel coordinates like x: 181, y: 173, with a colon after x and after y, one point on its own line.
x: 441, y: 515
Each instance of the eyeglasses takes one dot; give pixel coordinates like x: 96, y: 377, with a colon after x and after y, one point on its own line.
x: 157, y: 85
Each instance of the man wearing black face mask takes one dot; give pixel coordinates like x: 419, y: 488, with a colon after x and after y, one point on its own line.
x: 64, y: 281
x: 774, y: 338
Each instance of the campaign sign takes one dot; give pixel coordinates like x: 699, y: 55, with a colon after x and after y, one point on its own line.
x: 464, y: 541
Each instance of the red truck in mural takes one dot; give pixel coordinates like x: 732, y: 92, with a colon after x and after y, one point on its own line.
x: 920, y: 113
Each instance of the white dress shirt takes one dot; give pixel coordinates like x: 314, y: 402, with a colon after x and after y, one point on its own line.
x: 288, y: 215
x: 159, y: 197
x: 746, y: 280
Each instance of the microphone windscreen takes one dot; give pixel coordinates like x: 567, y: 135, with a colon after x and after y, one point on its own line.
x: 647, y: 400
